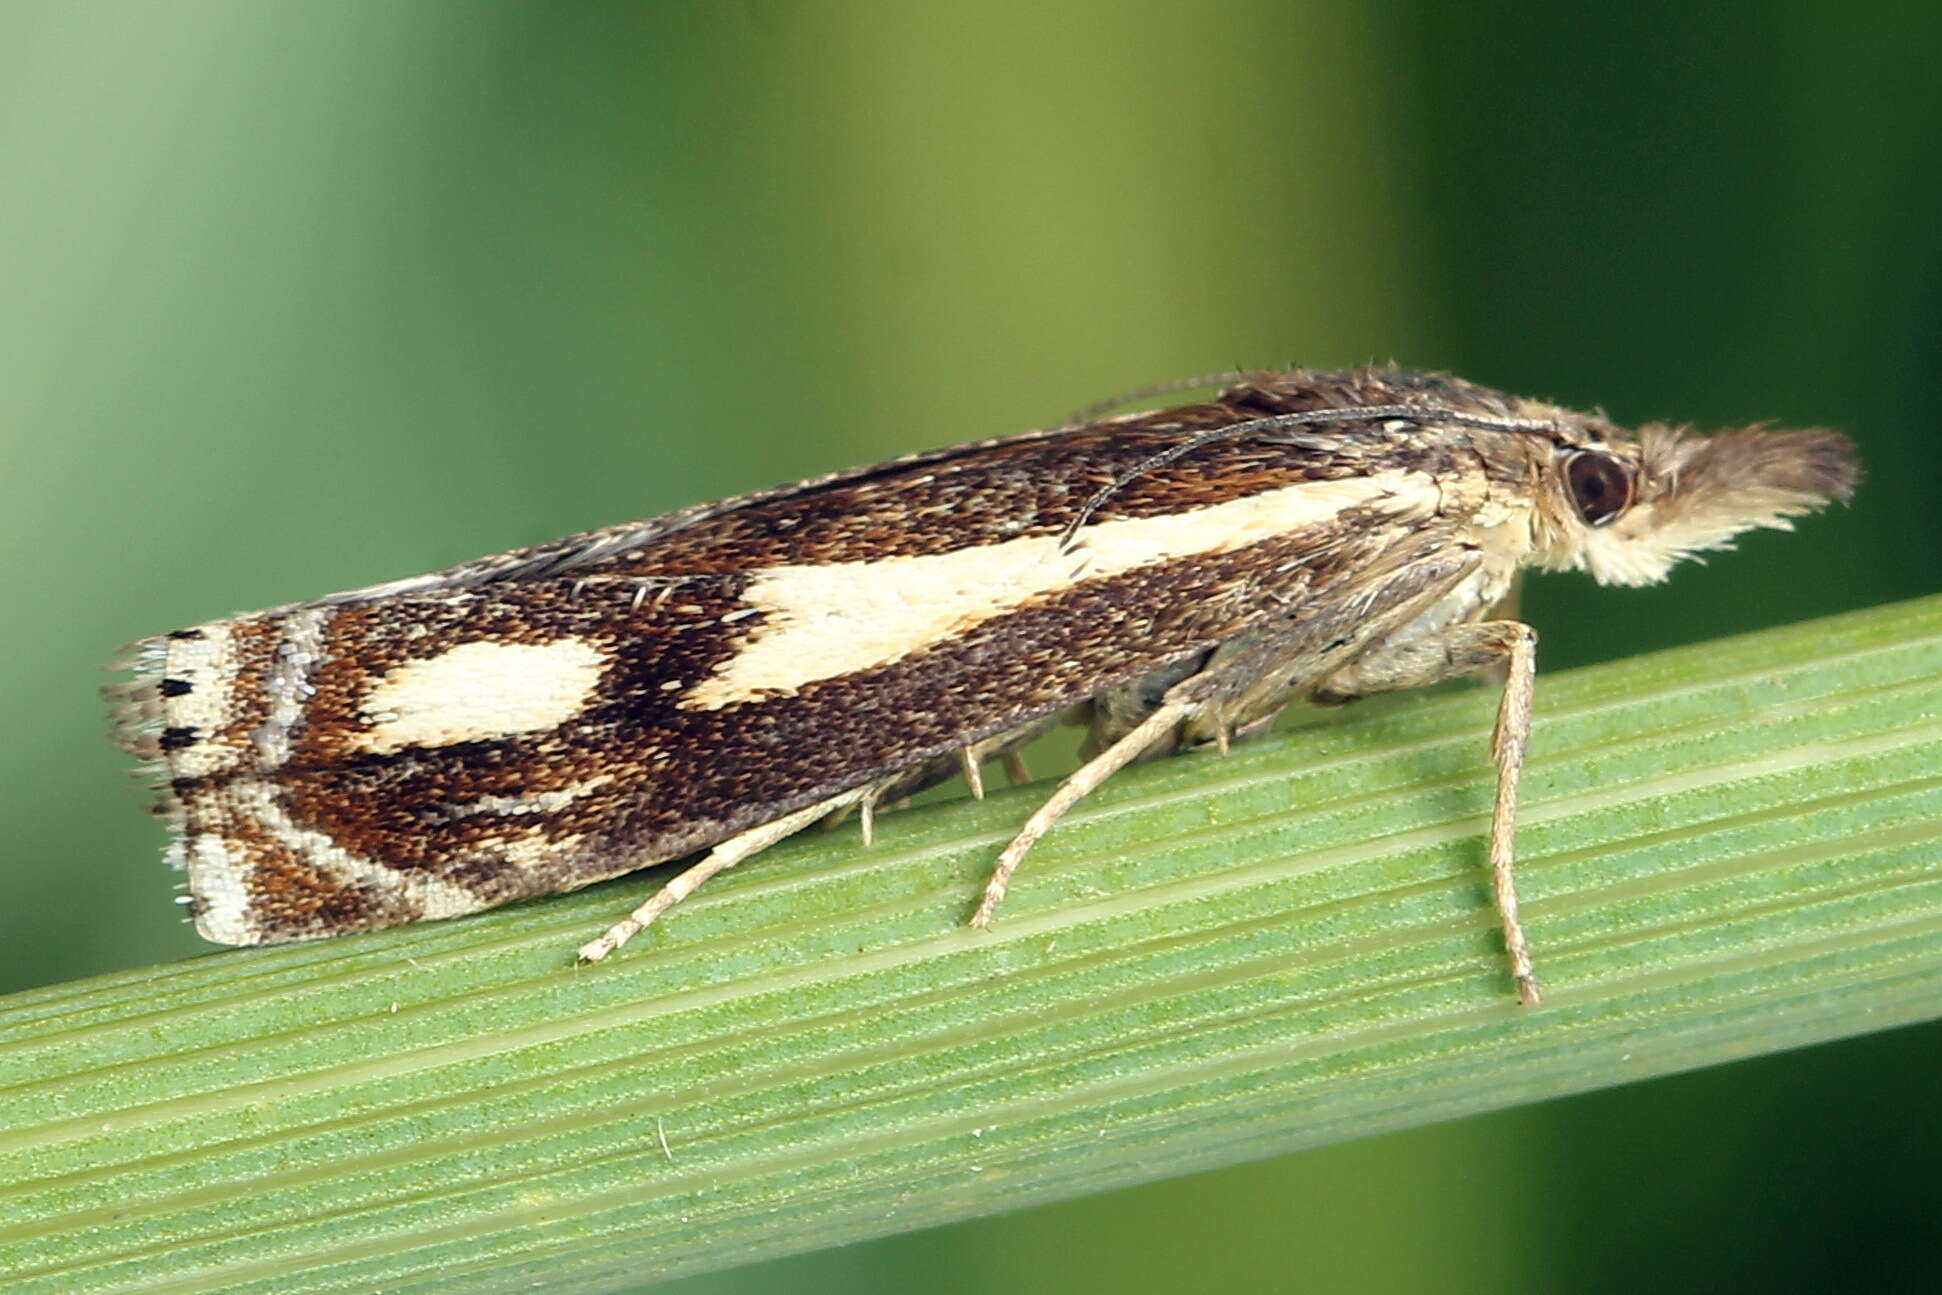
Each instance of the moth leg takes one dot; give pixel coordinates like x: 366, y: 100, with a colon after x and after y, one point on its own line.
x: 865, y: 808
x: 867, y: 821
x: 972, y: 764
x: 1509, y: 646
x: 723, y: 857
x: 1157, y: 727
x: 1170, y: 704
x: 1005, y: 747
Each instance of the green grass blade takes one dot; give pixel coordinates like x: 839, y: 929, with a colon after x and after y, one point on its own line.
x: 1726, y: 850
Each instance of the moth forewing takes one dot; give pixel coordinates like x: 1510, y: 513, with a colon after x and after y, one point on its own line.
x: 717, y: 678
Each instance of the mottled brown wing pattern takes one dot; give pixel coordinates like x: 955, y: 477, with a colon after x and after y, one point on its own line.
x: 635, y: 777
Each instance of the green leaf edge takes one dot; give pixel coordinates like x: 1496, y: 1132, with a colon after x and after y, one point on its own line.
x: 1725, y: 850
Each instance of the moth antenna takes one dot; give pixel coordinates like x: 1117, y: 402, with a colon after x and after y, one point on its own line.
x: 1100, y: 408
x: 1306, y: 417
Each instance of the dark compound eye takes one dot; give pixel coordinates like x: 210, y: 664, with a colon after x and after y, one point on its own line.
x: 1601, y: 486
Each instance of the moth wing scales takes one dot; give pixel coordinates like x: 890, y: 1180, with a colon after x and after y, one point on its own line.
x: 396, y: 801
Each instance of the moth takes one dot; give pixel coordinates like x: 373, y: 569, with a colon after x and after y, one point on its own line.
x: 718, y: 678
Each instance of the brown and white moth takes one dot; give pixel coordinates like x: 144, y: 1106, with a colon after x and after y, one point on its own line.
x: 720, y: 677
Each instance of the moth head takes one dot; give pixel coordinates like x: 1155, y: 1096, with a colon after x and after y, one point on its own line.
x: 1627, y: 509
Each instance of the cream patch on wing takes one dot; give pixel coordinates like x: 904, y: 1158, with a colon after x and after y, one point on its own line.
x: 819, y: 622
x: 533, y: 802
x: 480, y: 691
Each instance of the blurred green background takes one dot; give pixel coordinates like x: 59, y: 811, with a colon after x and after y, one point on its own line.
x: 299, y: 297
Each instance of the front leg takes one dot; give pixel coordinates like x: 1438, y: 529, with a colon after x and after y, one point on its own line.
x: 1462, y: 650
